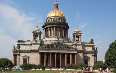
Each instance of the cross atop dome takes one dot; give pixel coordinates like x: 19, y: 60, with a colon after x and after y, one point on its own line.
x: 56, y: 5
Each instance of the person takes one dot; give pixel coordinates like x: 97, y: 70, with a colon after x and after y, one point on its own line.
x: 100, y: 70
x: 83, y: 69
x: 91, y: 68
x: 107, y: 70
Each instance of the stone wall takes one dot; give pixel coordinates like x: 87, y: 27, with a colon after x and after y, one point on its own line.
x: 80, y: 59
x: 34, y: 58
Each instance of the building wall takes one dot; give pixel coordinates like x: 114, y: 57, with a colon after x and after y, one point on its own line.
x: 79, y: 47
x: 34, y: 58
x: 91, y: 60
x: 80, y: 59
x: 35, y: 46
x: 25, y: 47
x: 88, y: 48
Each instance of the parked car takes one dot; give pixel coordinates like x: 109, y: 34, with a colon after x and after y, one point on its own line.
x: 17, y: 68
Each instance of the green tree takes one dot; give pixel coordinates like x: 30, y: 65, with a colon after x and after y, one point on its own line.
x: 99, y: 64
x: 110, y: 55
x: 4, y: 62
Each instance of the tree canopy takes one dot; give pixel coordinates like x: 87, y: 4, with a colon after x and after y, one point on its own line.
x: 110, y: 55
x: 4, y: 62
x: 98, y: 64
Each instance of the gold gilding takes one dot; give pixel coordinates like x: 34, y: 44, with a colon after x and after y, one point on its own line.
x: 37, y: 29
x: 76, y: 30
x: 56, y: 12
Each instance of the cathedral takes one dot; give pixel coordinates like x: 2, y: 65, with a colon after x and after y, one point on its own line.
x: 55, y: 49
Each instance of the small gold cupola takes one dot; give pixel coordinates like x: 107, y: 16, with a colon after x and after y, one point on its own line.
x: 37, y: 29
x: 77, y: 36
x: 37, y: 34
x: 77, y: 30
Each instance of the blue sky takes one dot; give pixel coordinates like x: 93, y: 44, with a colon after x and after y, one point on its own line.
x: 94, y: 18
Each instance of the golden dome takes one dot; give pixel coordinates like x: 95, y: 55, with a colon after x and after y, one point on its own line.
x: 56, y: 11
x: 77, y: 30
x: 37, y: 29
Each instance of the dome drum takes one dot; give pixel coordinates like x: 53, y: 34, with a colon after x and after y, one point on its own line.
x: 56, y: 31
x: 56, y: 24
x: 55, y: 19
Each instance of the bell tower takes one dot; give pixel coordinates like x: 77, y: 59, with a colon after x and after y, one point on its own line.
x: 37, y: 34
x: 77, y: 36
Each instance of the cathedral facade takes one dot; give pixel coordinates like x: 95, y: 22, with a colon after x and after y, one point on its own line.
x: 55, y: 49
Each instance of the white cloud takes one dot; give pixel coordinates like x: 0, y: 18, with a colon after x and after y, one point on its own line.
x: 82, y: 26
x: 6, y: 44
x: 13, y: 21
x: 14, y: 25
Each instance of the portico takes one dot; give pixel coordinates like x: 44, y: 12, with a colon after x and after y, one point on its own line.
x: 57, y: 60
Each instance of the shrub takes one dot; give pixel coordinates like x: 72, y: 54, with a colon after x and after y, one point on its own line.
x: 32, y: 66
x: 28, y: 66
x: 80, y: 66
x: 73, y: 66
x: 43, y: 67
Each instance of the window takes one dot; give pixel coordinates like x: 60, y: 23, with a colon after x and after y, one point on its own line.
x: 24, y: 60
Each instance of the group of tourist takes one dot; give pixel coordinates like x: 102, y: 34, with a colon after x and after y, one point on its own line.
x: 106, y: 70
x: 87, y: 68
x: 101, y: 70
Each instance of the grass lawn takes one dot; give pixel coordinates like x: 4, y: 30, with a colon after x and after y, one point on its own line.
x: 42, y: 71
